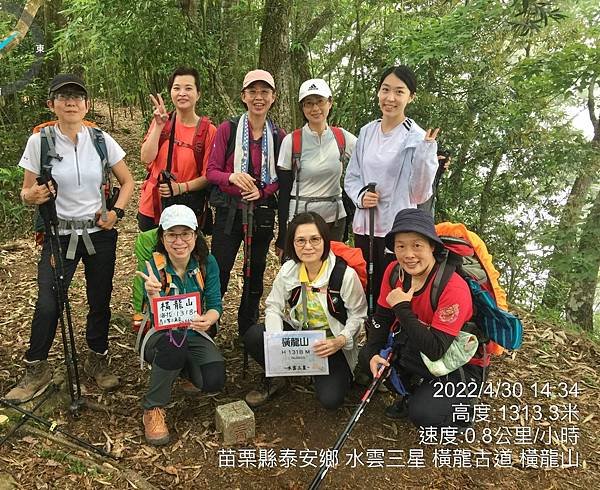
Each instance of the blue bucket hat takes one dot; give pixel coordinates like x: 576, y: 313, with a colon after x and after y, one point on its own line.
x: 415, y: 220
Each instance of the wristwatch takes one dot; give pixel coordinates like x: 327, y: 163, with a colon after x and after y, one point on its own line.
x: 119, y: 212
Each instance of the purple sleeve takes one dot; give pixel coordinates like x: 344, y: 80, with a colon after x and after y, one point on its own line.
x: 217, y: 171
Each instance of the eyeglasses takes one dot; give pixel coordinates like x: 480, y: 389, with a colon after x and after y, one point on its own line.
x: 186, y: 236
x: 70, y: 96
x: 314, y: 241
x: 253, y: 93
x: 308, y: 104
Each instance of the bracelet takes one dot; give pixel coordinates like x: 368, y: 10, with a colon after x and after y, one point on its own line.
x: 187, y: 187
x: 179, y: 188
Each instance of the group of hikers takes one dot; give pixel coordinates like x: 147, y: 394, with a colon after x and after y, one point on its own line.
x: 252, y: 174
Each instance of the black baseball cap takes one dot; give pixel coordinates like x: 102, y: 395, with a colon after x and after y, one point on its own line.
x: 416, y: 220
x: 63, y: 79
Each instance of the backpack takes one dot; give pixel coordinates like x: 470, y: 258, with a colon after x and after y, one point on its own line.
x: 340, y: 139
x: 48, y: 153
x: 218, y: 198
x: 467, y: 254
x: 143, y: 327
x: 198, y: 143
x: 166, y: 281
x: 345, y: 256
x: 195, y: 199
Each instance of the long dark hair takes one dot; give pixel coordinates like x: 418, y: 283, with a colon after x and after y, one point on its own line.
x: 305, y: 219
x: 200, y: 251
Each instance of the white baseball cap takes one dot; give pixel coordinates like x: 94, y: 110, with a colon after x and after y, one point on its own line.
x: 178, y: 215
x: 314, y: 86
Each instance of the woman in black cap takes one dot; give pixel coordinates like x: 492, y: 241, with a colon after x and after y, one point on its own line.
x: 424, y: 334
x: 69, y: 163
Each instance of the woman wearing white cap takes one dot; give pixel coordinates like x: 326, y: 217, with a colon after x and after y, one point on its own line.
x: 311, y: 163
x: 181, y: 264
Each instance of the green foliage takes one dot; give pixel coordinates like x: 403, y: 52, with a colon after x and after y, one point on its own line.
x: 497, y: 76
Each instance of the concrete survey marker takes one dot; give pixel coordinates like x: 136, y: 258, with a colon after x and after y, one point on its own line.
x: 236, y: 422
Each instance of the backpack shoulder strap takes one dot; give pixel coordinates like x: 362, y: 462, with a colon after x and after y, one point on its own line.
x: 48, y: 149
x: 340, y: 139
x: 199, y: 142
x: 335, y: 303
x: 394, y: 275
x: 166, y: 130
x: 294, y: 296
x: 276, y: 138
x: 442, y: 277
x: 233, y: 124
x: 100, y: 146
x: 296, y: 150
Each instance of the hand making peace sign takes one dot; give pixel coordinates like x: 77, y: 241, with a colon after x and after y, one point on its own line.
x: 151, y: 283
x: 431, y: 134
x: 160, y: 111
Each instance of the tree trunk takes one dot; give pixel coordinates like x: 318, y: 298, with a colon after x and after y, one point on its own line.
x: 565, y: 242
x: 555, y: 292
x: 228, y: 49
x: 275, y: 57
x: 580, y: 307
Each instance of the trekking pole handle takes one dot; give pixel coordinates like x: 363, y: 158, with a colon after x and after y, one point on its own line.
x: 371, y: 186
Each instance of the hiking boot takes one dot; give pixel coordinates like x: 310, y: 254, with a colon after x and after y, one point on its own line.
x: 265, y: 391
x: 38, y: 376
x: 155, y: 427
x: 96, y: 366
x: 398, y: 409
x: 189, y: 388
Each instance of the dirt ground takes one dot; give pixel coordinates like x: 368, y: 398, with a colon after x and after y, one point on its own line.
x: 541, y: 406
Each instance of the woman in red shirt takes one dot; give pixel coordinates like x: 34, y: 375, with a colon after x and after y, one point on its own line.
x: 419, y: 329
x: 189, y: 173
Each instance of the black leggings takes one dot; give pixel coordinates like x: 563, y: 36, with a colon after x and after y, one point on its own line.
x: 331, y: 389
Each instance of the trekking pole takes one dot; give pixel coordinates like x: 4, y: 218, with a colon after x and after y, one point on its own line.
x: 371, y: 188
x: 48, y: 212
x: 247, y: 228
x: 24, y: 418
x: 366, y: 398
x: 53, y: 427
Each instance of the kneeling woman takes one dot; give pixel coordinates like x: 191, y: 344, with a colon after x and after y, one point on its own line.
x: 190, y: 353
x: 407, y: 305
x: 308, y: 245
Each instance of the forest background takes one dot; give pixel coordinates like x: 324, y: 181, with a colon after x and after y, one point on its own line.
x: 502, y: 78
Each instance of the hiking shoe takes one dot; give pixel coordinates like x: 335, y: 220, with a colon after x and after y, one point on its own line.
x: 398, y: 409
x: 38, y: 376
x: 155, y: 427
x: 96, y: 366
x: 266, y: 390
x: 189, y: 388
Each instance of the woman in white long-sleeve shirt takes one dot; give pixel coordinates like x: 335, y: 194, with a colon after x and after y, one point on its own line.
x: 397, y: 155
